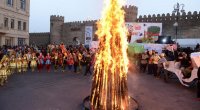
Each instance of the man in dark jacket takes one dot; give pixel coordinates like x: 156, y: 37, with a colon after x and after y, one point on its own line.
x: 88, y: 63
x: 198, y: 84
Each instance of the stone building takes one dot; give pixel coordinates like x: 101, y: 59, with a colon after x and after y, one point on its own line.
x: 14, y: 22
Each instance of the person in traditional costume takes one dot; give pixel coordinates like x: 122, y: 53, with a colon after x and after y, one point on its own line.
x: 40, y: 62
x: 75, y: 58
x: 61, y: 61
x: 80, y: 59
x: 64, y: 61
x: 70, y: 61
x: 4, y: 69
x: 29, y: 56
x: 13, y: 64
x: 62, y: 47
x: 33, y: 63
x: 48, y: 62
x: 19, y: 64
x: 55, y: 58
x: 1, y: 74
x: 24, y: 64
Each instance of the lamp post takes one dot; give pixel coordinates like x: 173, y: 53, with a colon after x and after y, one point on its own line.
x: 176, y: 29
x: 178, y: 8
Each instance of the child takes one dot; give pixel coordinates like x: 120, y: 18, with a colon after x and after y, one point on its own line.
x: 48, y: 62
x: 33, y: 63
x: 24, y: 64
x: 55, y: 61
x: 70, y: 61
x: 13, y: 64
x: 19, y: 64
x: 4, y: 69
x: 40, y: 62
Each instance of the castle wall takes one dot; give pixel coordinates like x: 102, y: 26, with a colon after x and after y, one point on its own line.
x: 188, y: 24
x: 39, y: 38
x: 131, y: 13
x: 66, y: 32
x: 56, y: 28
x: 76, y: 29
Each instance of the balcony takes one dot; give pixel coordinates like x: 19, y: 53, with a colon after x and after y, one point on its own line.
x: 4, y: 30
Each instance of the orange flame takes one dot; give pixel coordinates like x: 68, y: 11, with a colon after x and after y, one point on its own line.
x: 109, y: 89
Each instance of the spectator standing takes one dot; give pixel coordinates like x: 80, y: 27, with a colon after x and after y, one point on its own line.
x: 88, y: 63
x: 161, y: 64
x: 144, y: 61
x: 150, y: 63
x: 156, y: 58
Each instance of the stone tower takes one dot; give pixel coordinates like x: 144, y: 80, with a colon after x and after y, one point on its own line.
x: 56, y: 25
x: 131, y: 13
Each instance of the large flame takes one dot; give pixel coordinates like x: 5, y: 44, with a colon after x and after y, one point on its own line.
x: 109, y: 89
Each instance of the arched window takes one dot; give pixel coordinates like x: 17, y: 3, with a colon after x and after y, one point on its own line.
x: 23, y: 4
x: 9, y: 2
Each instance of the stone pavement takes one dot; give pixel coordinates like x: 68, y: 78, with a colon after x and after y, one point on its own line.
x: 65, y: 91
x: 155, y: 94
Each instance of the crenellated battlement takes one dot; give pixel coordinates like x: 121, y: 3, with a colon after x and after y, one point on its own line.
x: 170, y: 17
x: 40, y: 34
x: 130, y: 7
x: 78, y: 23
x: 57, y: 18
x: 90, y: 22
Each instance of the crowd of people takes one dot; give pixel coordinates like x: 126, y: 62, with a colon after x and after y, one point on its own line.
x: 151, y: 62
x: 20, y: 59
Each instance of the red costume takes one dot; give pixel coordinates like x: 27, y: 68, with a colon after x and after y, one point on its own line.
x: 48, y: 62
x: 62, y: 47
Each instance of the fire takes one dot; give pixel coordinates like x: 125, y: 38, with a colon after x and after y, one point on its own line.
x: 109, y: 88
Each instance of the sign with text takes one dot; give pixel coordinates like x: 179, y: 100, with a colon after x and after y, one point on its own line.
x: 143, y: 32
x: 88, y: 34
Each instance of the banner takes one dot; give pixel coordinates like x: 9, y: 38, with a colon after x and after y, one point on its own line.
x: 141, y: 47
x: 135, y: 48
x: 143, y: 32
x: 88, y: 34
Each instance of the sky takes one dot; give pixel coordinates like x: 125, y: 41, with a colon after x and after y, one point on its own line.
x: 81, y: 10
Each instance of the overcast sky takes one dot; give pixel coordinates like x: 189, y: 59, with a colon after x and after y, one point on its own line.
x: 79, y: 10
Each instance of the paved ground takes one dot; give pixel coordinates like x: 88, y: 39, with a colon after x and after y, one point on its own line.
x: 65, y: 91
